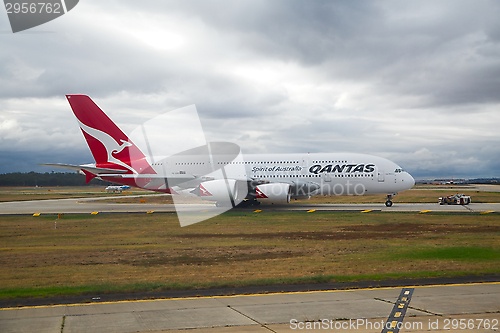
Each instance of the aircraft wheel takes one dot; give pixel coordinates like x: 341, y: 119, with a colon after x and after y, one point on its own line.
x: 388, y: 203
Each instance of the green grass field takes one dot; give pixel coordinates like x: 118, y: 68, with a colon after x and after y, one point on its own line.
x: 145, y: 252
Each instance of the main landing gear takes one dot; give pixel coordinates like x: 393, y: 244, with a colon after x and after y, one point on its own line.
x: 388, y: 202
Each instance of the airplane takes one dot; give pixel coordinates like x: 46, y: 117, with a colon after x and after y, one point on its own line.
x: 113, y: 188
x: 218, y: 170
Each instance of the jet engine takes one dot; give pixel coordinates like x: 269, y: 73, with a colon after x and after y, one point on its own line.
x: 218, y: 190
x: 273, y: 193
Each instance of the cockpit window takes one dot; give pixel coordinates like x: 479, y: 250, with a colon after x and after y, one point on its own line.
x: 399, y: 170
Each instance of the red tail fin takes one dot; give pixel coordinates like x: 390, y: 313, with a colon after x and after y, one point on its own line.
x: 110, y: 147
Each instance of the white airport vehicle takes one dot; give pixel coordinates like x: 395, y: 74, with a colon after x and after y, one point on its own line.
x: 113, y: 188
x: 217, y: 169
x: 456, y: 199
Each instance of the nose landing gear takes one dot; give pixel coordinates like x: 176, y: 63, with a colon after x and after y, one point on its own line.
x: 388, y: 202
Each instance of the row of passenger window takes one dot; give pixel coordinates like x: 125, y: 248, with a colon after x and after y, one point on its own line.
x: 316, y: 176
x: 233, y: 163
x: 268, y: 162
x: 273, y: 162
x: 200, y: 163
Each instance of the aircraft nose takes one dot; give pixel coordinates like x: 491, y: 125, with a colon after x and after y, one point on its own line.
x: 411, y: 180
x: 406, y: 181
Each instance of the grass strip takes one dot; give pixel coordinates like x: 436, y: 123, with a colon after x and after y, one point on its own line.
x: 454, y: 253
x: 121, y: 253
x: 58, y: 291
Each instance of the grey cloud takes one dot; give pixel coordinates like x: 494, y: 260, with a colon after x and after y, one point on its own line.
x: 391, y: 63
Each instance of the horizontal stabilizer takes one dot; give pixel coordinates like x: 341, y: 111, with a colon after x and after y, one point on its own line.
x: 88, y: 168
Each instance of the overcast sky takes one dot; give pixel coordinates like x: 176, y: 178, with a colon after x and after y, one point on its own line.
x: 417, y: 82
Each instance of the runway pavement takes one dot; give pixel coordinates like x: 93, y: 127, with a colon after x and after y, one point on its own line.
x: 432, y: 308
x: 80, y: 205
x: 89, y: 205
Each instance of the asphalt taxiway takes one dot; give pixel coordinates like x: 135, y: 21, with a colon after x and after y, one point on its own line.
x: 432, y: 308
x: 103, y: 205
x: 89, y: 205
x: 80, y: 205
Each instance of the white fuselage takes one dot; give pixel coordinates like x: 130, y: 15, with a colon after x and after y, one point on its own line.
x: 332, y: 173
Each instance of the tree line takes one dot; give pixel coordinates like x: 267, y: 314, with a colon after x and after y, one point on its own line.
x: 47, y: 179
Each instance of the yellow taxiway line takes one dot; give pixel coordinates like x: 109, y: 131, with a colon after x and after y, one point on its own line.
x: 246, y: 295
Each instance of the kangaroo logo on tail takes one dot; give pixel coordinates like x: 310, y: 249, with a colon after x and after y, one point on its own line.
x: 112, y: 147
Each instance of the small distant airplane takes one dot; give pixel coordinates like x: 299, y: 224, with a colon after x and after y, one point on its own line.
x: 218, y: 174
x: 112, y: 188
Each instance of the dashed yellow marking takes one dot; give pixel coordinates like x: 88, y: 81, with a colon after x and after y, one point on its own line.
x: 366, y: 211
x: 397, y: 314
x: 404, y: 299
x: 401, y: 305
x: 407, y: 292
x: 36, y: 214
x: 394, y: 323
x: 425, y: 211
x: 94, y: 213
x: 257, y: 211
x: 312, y: 210
x: 487, y: 212
x: 150, y: 212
